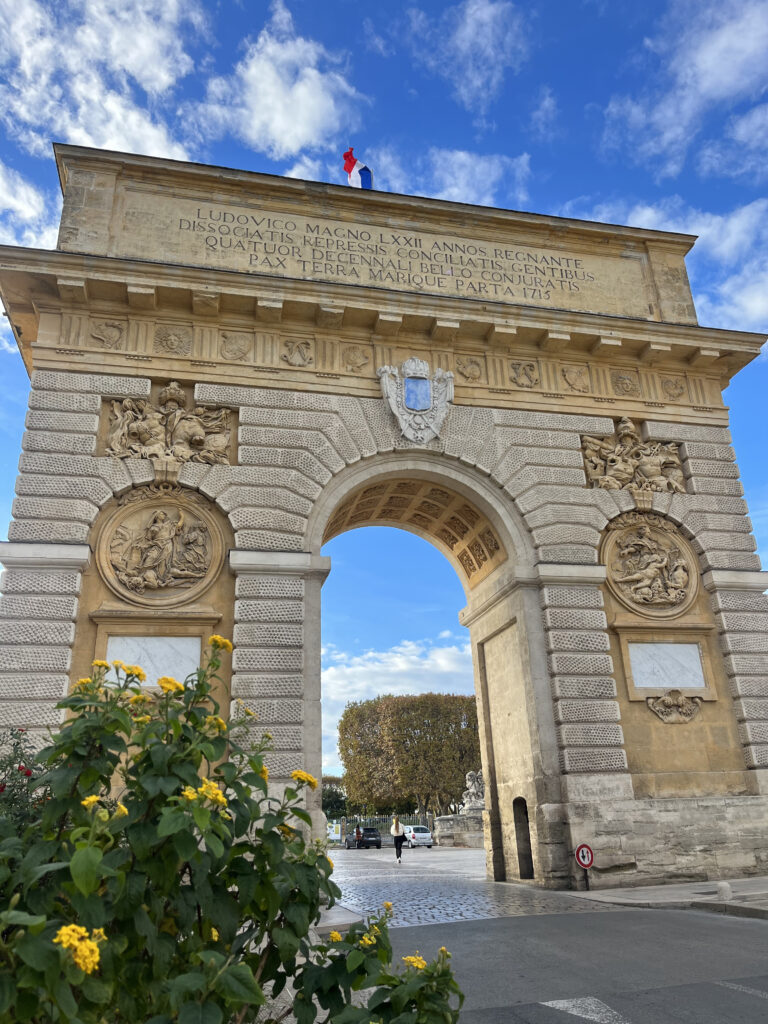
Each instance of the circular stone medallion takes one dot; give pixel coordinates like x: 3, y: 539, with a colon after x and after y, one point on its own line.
x: 160, y: 550
x: 651, y: 570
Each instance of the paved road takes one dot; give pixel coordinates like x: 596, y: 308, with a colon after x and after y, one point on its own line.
x: 440, y: 886
x: 525, y: 956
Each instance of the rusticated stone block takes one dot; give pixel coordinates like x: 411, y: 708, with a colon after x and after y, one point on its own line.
x: 574, y: 618
x: 46, y: 532
x: 247, y: 685
x: 656, y: 431
x: 585, y: 734
x: 29, y: 712
x: 287, y: 458
x: 268, y: 660
x: 587, y: 711
x: 79, y: 511
x: 583, y: 688
x: 569, y: 554
x: 37, y: 607
x: 270, y: 712
x: 67, y: 444
x: 90, y: 488
x: 269, y: 611
x: 571, y: 597
x: 34, y: 659
x: 593, y: 759
x: 34, y: 686
x: 581, y: 664
x: 65, y: 401
x: 67, y: 422
x: 41, y: 581
x: 19, y: 631
x: 268, y: 586
x: 268, y: 634
x: 268, y: 540
x: 101, y: 384
x: 267, y: 497
x: 577, y: 640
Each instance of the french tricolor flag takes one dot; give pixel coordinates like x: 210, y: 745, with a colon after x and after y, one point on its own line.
x: 359, y: 175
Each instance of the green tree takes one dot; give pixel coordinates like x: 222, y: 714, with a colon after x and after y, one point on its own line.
x: 159, y: 883
x: 334, y: 796
x: 413, y: 747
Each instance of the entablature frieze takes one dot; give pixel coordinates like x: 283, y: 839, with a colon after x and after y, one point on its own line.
x: 77, y: 311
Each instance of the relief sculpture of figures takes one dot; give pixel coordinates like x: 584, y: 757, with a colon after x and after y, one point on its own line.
x: 625, y: 462
x: 138, y: 429
x: 159, y: 550
x: 650, y: 568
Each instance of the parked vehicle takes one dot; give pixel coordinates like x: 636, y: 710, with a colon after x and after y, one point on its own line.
x: 418, y: 835
x: 362, y: 838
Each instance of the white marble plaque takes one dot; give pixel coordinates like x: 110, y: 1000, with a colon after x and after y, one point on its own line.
x: 666, y: 666
x: 175, y: 656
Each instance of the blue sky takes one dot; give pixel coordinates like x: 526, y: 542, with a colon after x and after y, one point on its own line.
x: 652, y: 114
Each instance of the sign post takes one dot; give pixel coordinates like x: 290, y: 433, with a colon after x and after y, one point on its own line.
x: 585, y: 858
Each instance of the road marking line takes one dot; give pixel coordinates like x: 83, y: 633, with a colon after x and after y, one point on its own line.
x: 743, y: 988
x: 588, y: 1009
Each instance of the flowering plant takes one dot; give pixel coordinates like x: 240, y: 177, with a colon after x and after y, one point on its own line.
x: 159, y: 882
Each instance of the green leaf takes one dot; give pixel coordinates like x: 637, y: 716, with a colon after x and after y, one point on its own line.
x: 84, y: 868
x: 172, y: 820
x: 62, y: 993
x: 214, y: 844
x: 238, y: 983
x: 185, y: 845
x: 37, y: 952
x: 20, y: 918
x: 200, y: 1013
x: 96, y: 990
x: 355, y: 958
x: 7, y: 992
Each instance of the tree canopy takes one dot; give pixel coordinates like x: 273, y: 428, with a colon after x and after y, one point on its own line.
x: 414, y: 747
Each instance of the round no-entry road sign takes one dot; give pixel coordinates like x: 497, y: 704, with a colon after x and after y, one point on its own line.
x: 584, y: 855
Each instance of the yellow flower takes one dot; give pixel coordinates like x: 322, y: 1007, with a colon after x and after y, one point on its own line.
x: 416, y: 961
x: 216, y: 722
x: 335, y: 937
x: 189, y: 794
x: 100, y: 664
x: 142, y: 719
x: 70, y: 935
x: 249, y: 714
x: 82, y: 683
x: 367, y: 940
x: 444, y: 951
x: 267, y: 736
x: 221, y: 642
x: 388, y: 906
x: 264, y: 773
x: 121, y: 811
x: 119, y: 664
x: 210, y: 791
x: 299, y: 776
x: 140, y: 698
x: 86, y: 955
x: 287, y: 831
x: 170, y: 685
x: 330, y: 862
x: 85, y: 952
x: 136, y: 670
x: 90, y: 801
x: 214, y: 934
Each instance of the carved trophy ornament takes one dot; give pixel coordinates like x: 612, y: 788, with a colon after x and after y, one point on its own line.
x: 354, y: 358
x: 470, y: 369
x: 140, y: 430
x: 108, y: 332
x: 418, y: 401
x: 162, y: 546
x: 675, y: 707
x: 236, y: 346
x: 524, y: 375
x: 577, y: 378
x: 624, y: 462
x: 650, y: 567
x: 297, y: 353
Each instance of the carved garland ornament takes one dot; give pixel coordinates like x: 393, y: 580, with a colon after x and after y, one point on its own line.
x: 675, y: 707
x: 161, y: 547
x: 651, y: 569
x: 624, y: 462
x: 168, y: 431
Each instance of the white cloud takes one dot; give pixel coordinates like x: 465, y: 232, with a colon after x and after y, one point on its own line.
x: 545, y: 114
x: 287, y: 94
x: 454, y: 174
x: 409, y: 667
x: 728, y: 265
x: 744, y: 152
x: 27, y: 216
x: 708, y: 55
x: 307, y: 168
x: 71, y: 71
x: 472, y: 45
x: 374, y: 42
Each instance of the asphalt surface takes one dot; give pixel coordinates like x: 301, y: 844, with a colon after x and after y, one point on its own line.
x: 532, y: 956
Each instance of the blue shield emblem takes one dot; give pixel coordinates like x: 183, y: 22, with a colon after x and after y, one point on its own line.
x: 418, y: 394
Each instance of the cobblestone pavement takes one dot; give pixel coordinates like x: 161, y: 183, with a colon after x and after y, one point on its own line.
x: 441, y: 885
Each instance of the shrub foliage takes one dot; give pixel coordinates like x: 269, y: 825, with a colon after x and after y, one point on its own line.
x: 157, y: 881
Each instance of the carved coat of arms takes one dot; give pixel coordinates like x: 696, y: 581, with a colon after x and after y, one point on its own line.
x: 418, y: 400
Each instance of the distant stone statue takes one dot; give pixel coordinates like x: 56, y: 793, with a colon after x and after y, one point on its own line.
x: 473, y: 796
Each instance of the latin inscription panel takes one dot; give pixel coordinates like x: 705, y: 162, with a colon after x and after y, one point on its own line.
x: 254, y: 239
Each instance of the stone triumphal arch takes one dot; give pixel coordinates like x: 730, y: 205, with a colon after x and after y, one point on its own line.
x: 229, y: 369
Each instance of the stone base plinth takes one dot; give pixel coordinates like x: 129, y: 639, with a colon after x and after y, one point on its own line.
x: 643, y: 842
x: 463, y: 830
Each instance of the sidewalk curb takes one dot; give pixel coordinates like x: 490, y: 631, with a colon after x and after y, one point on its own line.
x: 733, y: 909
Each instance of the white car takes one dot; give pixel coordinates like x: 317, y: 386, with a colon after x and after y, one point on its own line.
x: 417, y: 835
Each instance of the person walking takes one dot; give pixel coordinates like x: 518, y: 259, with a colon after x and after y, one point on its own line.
x: 398, y: 832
